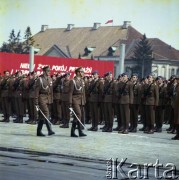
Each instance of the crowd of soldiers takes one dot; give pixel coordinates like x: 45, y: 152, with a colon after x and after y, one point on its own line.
x: 95, y: 100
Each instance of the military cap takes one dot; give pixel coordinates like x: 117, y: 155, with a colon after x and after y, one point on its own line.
x: 119, y: 76
x: 6, y: 71
x: 172, y: 77
x: 159, y: 77
x: 45, y: 68
x: 134, y: 74
x: 66, y: 74
x: 78, y: 69
x: 150, y: 75
x: 108, y: 73
x: 95, y: 72
x: 32, y: 73
x: 124, y: 74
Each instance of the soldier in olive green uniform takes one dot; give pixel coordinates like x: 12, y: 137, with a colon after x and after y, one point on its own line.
x: 151, y: 102
x: 19, y: 102
x: 134, y: 109
x: 144, y: 86
x: 176, y: 110
x: 159, y: 113
x: 77, y: 99
x: 31, y: 100
x: 65, y: 101
x: 6, y: 104
x: 94, y: 101
x: 116, y: 103
x: 108, y: 91
x: 57, y: 102
x: 125, y: 93
x: 87, y: 80
x: 43, y: 99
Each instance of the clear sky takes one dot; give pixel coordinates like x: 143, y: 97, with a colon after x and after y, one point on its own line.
x: 155, y: 18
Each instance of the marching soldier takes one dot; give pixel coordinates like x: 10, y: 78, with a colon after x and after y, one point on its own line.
x: 108, y: 91
x: 5, y: 86
x: 159, y: 113
x: 176, y: 110
x: 134, y: 109
x: 65, y: 101
x: 151, y: 102
x: 77, y: 100
x: 43, y: 99
x: 125, y: 94
x: 94, y: 101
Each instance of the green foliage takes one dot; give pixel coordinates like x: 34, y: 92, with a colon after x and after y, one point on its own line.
x: 15, y: 45
x: 143, y: 56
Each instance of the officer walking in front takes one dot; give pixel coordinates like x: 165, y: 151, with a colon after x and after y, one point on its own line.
x: 77, y: 100
x: 43, y: 99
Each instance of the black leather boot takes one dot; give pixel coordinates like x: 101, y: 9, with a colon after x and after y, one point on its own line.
x: 80, y: 131
x: 49, y: 128
x: 39, y: 128
x: 73, y: 127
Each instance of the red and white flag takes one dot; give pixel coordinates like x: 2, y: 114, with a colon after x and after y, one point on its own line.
x: 109, y: 21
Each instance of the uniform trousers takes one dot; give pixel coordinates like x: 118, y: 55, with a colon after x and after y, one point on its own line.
x: 94, y: 113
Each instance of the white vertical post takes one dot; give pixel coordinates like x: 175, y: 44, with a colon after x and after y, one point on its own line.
x: 122, y: 57
x: 31, y: 59
x: 167, y: 71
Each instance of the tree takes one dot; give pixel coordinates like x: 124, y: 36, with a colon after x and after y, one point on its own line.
x: 29, y: 41
x: 143, y: 57
x: 15, y: 45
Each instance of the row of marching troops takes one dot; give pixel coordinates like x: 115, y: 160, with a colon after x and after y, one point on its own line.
x: 100, y: 99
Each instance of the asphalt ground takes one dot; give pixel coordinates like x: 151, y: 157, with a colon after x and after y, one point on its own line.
x: 137, y: 147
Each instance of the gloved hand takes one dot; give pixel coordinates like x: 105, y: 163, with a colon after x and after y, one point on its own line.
x: 37, y: 107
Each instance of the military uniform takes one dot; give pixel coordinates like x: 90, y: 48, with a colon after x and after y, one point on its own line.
x: 43, y: 99
x: 33, y: 116
x: 108, y: 91
x: 100, y: 102
x: 176, y: 110
x: 170, y: 102
x: 77, y: 100
x: 116, y: 106
x: 94, y: 103
x: 6, y: 103
x: 87, y: 111
x: 144, y: 87
x: 134, y: 109
x: 65, y: 101
x: 57, y: 103
x: 19, y: 101
x: 151, y: 102
x: 125, y: 93
x: 159, y: 113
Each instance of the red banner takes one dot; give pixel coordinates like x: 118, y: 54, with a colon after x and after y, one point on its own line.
x: 15, y: 62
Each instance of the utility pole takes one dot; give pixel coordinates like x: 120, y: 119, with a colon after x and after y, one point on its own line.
x: 31, y: 58
x: 121, y: 59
